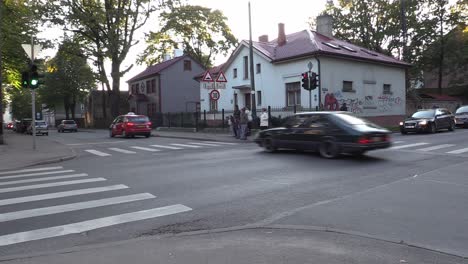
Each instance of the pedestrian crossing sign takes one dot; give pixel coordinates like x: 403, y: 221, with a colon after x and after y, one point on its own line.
x: 207, y: 77
x: 221, y: 77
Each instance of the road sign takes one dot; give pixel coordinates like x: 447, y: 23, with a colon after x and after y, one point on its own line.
x: 207, y: 77
x: 220, y: 85
x: 221, y: 77
x: 310, y: 65
x: 27, y: 48
x: 214, y: 95
x: 209, y: 85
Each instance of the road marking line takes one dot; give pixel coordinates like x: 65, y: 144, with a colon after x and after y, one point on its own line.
x: 146, y: 149
x: 165, y: 147
x: 436, y: 147
x: 44, y: 179
x: 205, y: 144
x: 35, y: 174
x: 73, y: 207
x: 187, y: 146
x: 409, y: 145
x: 123, y: 150
x: 97, y: 143
x: 46, y: 185
x: 397, y: 142
x: 99, y: 153
x: 84, y: 226
x: 48, y: 196
x: 30, y: 170
x: 217, y: 142
x: 458, y: 151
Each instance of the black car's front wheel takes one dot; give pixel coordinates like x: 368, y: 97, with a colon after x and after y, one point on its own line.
x: 329, y: 149
x: 433, y: 128
x: 268, y: 145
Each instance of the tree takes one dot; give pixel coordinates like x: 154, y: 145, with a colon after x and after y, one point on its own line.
x: 200, y: 31
x: 109, y: 27
x: 69, y: 79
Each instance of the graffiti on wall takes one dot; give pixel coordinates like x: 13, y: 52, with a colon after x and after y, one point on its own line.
x: 383, y: 103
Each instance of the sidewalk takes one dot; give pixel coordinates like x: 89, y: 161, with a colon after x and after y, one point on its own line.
x: 17, y: 151
x: 247, y: 246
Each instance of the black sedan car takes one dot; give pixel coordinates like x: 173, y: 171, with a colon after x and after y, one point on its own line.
x: 428, y: 120
x: 329, y: 133
x: 461, y: 116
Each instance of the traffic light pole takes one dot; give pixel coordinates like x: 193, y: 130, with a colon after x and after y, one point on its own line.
x: 310, y: 91
x: 33, y: 98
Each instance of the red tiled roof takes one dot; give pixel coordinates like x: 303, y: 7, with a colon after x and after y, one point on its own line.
x: 306, y: 43
x: 214, y: 71
x: 154, y: 69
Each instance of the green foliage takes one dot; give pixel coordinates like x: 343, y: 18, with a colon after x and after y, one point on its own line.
x: 200, y: 31
x: 20, y: 103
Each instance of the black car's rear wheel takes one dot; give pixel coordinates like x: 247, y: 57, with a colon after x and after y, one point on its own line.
x: 329, y: 149
x: 268, y: 145
x: 452, y: 126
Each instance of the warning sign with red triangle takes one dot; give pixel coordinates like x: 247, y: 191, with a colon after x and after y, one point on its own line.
x: 207, y: 77
x: 221, y: 77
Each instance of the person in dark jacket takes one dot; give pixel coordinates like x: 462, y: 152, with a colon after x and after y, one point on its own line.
x: 344, y: 107
x: 244, y: 120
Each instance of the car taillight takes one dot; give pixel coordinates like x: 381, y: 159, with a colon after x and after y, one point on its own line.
x: 149, y: 124
x: 130, y: 124
x: 364, y: 140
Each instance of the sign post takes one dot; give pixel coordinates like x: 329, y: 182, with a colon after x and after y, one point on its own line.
x: 310, y: 65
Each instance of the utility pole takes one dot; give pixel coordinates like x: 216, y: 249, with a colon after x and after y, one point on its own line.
x: 33, y: 97
x: 252, y: 78
x: 1, y: 90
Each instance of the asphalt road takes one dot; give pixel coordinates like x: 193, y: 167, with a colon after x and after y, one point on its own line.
x: 415, y: 192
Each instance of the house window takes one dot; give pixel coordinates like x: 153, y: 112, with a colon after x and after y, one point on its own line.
x: 137, y: 88
x: 259, y: 68
x: 246, y: 67
x: 132, y: 89
x: 213, y: 105
x: 148, y: 86
x: 151, y: 109
x: 153, y: 85
x: 187, y: 65
x: 235, y: 99
x: 235, y: 73
x: 293, y: 94
x: 259, y: 98
x: 387, y: 89
x: 348, y: 86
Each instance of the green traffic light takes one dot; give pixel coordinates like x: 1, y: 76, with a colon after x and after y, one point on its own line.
x: 34, y: 82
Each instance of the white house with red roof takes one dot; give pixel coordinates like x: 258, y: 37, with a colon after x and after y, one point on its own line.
x: 369, y: 83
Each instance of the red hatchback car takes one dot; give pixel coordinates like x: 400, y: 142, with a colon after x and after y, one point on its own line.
x: 130, y: 125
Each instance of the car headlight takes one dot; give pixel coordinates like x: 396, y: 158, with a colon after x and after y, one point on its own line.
x: 424, y: 122
x: 401, y: 123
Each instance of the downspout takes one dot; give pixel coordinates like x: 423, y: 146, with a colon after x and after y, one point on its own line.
x: 319, y: 107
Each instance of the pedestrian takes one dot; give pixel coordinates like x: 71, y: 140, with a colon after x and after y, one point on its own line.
x: 232, y: 126
x: 344, y: 107
x: 243, y: 122
x: 264, y: 119
x: 236, y: 119
x: 249, y: 117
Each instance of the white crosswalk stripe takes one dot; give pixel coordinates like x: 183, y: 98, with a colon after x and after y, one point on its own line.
x: 31, y: 170
x: 205, y: 144
x: 436, y: 147
x: 409, y: 145
x: 35, y: 174
x: 165, y: 147
x: 145, y: 149
x: 398, y: 142
x: 122, y: 150
x: 44, y: 179
x: 48, y: 196
x: 47, y: 185
x: 458, y: 151
x: 185, y: 146
x: 73, y: 207
x: 85, y: 226
x: 219, y: 142
x: 98, y: 153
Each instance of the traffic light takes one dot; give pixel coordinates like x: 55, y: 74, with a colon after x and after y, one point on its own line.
x: 313, y: 81
x: 25, y: 79
x: 35, y: 77
x: 305, y: 80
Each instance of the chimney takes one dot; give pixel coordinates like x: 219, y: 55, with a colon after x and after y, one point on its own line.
x: 263, y: 38
x: 281, y: 35
x: 325, y: 25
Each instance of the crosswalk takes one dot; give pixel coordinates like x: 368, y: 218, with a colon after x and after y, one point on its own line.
x: 426, y: 147
x: 107, y: 152
x: 29, y: 179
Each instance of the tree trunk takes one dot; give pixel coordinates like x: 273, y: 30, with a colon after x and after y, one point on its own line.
x: 441, y: 59
x: 115, y: 95
x: 104, y: 108
x: 66, y: 106
x: 72, y: 107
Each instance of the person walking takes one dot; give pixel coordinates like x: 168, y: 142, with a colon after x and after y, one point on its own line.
x: 236, y: 119
x: 249, y: 117
x: 264, y: 119
x: 244, y: 120
x: 344, y: 107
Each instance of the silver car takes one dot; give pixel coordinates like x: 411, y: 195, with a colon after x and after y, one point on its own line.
x: 67, y: 125
x: 41, y: 128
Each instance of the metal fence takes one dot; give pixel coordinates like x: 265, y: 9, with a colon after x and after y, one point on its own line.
x: 219, y: 119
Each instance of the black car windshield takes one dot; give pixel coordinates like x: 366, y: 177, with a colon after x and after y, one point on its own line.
x: 463, y: 109
x: 69, y: 122
x: 424, y: 114
x: 138, y: 119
